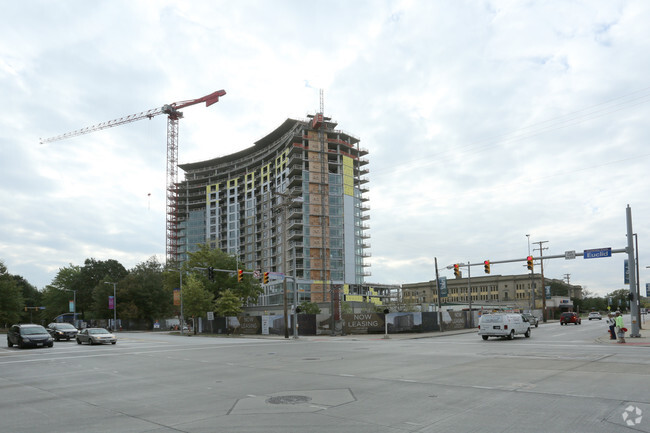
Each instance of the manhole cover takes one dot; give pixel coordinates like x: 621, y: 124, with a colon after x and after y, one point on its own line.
x: 289, y: 399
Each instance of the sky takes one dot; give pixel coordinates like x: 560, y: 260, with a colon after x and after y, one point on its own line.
x: 490, y: 125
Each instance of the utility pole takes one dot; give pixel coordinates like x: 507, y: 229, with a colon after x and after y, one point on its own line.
x: 438, y: 291
x: 634, y: 295
x: 541, y: 263
x: 532, y: 282
x: 469, y: 293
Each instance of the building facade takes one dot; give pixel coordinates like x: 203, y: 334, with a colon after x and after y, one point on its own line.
x: 514, y: 291
x: 293, y: 205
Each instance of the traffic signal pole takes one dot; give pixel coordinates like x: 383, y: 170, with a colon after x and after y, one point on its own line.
x: 634, y: 295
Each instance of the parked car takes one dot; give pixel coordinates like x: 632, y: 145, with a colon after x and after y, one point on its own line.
x: 534, y: 321
x: 566, y: 318
x: 503, y: 325
x: 95, y: 336
x: 62, y: 330
x: 595, y: 315
x: 25, y: 335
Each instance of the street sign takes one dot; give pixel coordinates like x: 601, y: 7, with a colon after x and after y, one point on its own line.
x: 569, y: 255
x: 210, y: 315
x: 257, y: 274
x: 597, y: 253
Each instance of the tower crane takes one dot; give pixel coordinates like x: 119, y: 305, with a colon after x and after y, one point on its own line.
x: 173, y: 116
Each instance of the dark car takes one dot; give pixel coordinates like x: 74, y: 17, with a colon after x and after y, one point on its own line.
x: 95, y: 336
x: 534, y: 321
x: 567, y: 318
x: 26, y: 335
x: 62, y: 330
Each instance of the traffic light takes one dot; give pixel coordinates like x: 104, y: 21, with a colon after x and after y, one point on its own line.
x: 457, y: 270
x: 211, y: 273
x: 240, y: 275
x: 529, y: 262
x: 298, y: 309
x: 486, y: 266
x: 266, y: 278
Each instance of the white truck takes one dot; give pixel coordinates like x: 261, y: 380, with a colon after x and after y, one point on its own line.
x: 503, y: 325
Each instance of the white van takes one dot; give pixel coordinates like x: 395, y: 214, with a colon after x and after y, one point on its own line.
x: 503, y: 325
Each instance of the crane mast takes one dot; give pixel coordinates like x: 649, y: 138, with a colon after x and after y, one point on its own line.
x: 173, y: 116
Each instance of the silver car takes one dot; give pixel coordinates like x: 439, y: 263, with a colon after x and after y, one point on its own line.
x: 95, y: 336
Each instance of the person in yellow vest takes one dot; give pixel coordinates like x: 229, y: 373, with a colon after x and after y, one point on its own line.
x: 620, y: 327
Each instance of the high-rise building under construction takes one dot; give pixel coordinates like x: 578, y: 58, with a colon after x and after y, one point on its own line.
x: 293, y: 205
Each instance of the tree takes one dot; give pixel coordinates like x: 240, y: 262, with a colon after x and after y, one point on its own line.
x: 142, y: 293
x: 312, y: 308
x: 92, y: 274
x: 197, y: 300
x: 228, y: 304
x: 99, y: 308
x: 55, y: 301
x: 619, y: 299
x: 31, y: 298
x: 248, y: 290
x: 11, y: 298
x: 57, y: 294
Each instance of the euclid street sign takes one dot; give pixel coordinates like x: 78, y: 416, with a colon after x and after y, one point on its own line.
x: 597, y: 253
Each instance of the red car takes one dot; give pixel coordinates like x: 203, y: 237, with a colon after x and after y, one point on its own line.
x: 567, y: 318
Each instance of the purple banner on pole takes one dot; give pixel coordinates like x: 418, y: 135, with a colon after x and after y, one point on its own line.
x: 110, y: 302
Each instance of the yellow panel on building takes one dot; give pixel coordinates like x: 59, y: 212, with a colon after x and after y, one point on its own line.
x: 209, y: 189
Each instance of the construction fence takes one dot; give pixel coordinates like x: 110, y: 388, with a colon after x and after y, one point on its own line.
x: 321, y: 324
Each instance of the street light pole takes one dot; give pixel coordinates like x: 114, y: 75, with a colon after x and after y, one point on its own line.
x: 74, y: 306
x: 114, y: 304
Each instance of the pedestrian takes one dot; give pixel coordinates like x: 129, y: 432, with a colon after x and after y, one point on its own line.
x: 612, y: 326
x: 620, y: 327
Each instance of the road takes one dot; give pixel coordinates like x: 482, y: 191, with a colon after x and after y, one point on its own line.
x: 560, y: 379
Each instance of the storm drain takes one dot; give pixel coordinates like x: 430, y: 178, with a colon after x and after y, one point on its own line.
x: 289, y: 399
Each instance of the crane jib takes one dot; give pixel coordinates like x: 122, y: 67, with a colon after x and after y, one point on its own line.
x: 173, y: 114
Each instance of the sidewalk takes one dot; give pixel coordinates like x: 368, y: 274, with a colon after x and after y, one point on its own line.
x: 643, y: 340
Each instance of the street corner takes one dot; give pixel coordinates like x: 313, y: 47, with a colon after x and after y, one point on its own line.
x: 642, y: 341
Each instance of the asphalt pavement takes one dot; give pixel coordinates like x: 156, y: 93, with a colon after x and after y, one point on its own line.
x: 643, y: 340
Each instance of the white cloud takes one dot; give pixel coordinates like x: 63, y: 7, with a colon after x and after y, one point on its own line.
x: 485, y: 121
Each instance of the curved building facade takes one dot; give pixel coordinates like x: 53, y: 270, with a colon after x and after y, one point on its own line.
x: 293, y: 205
